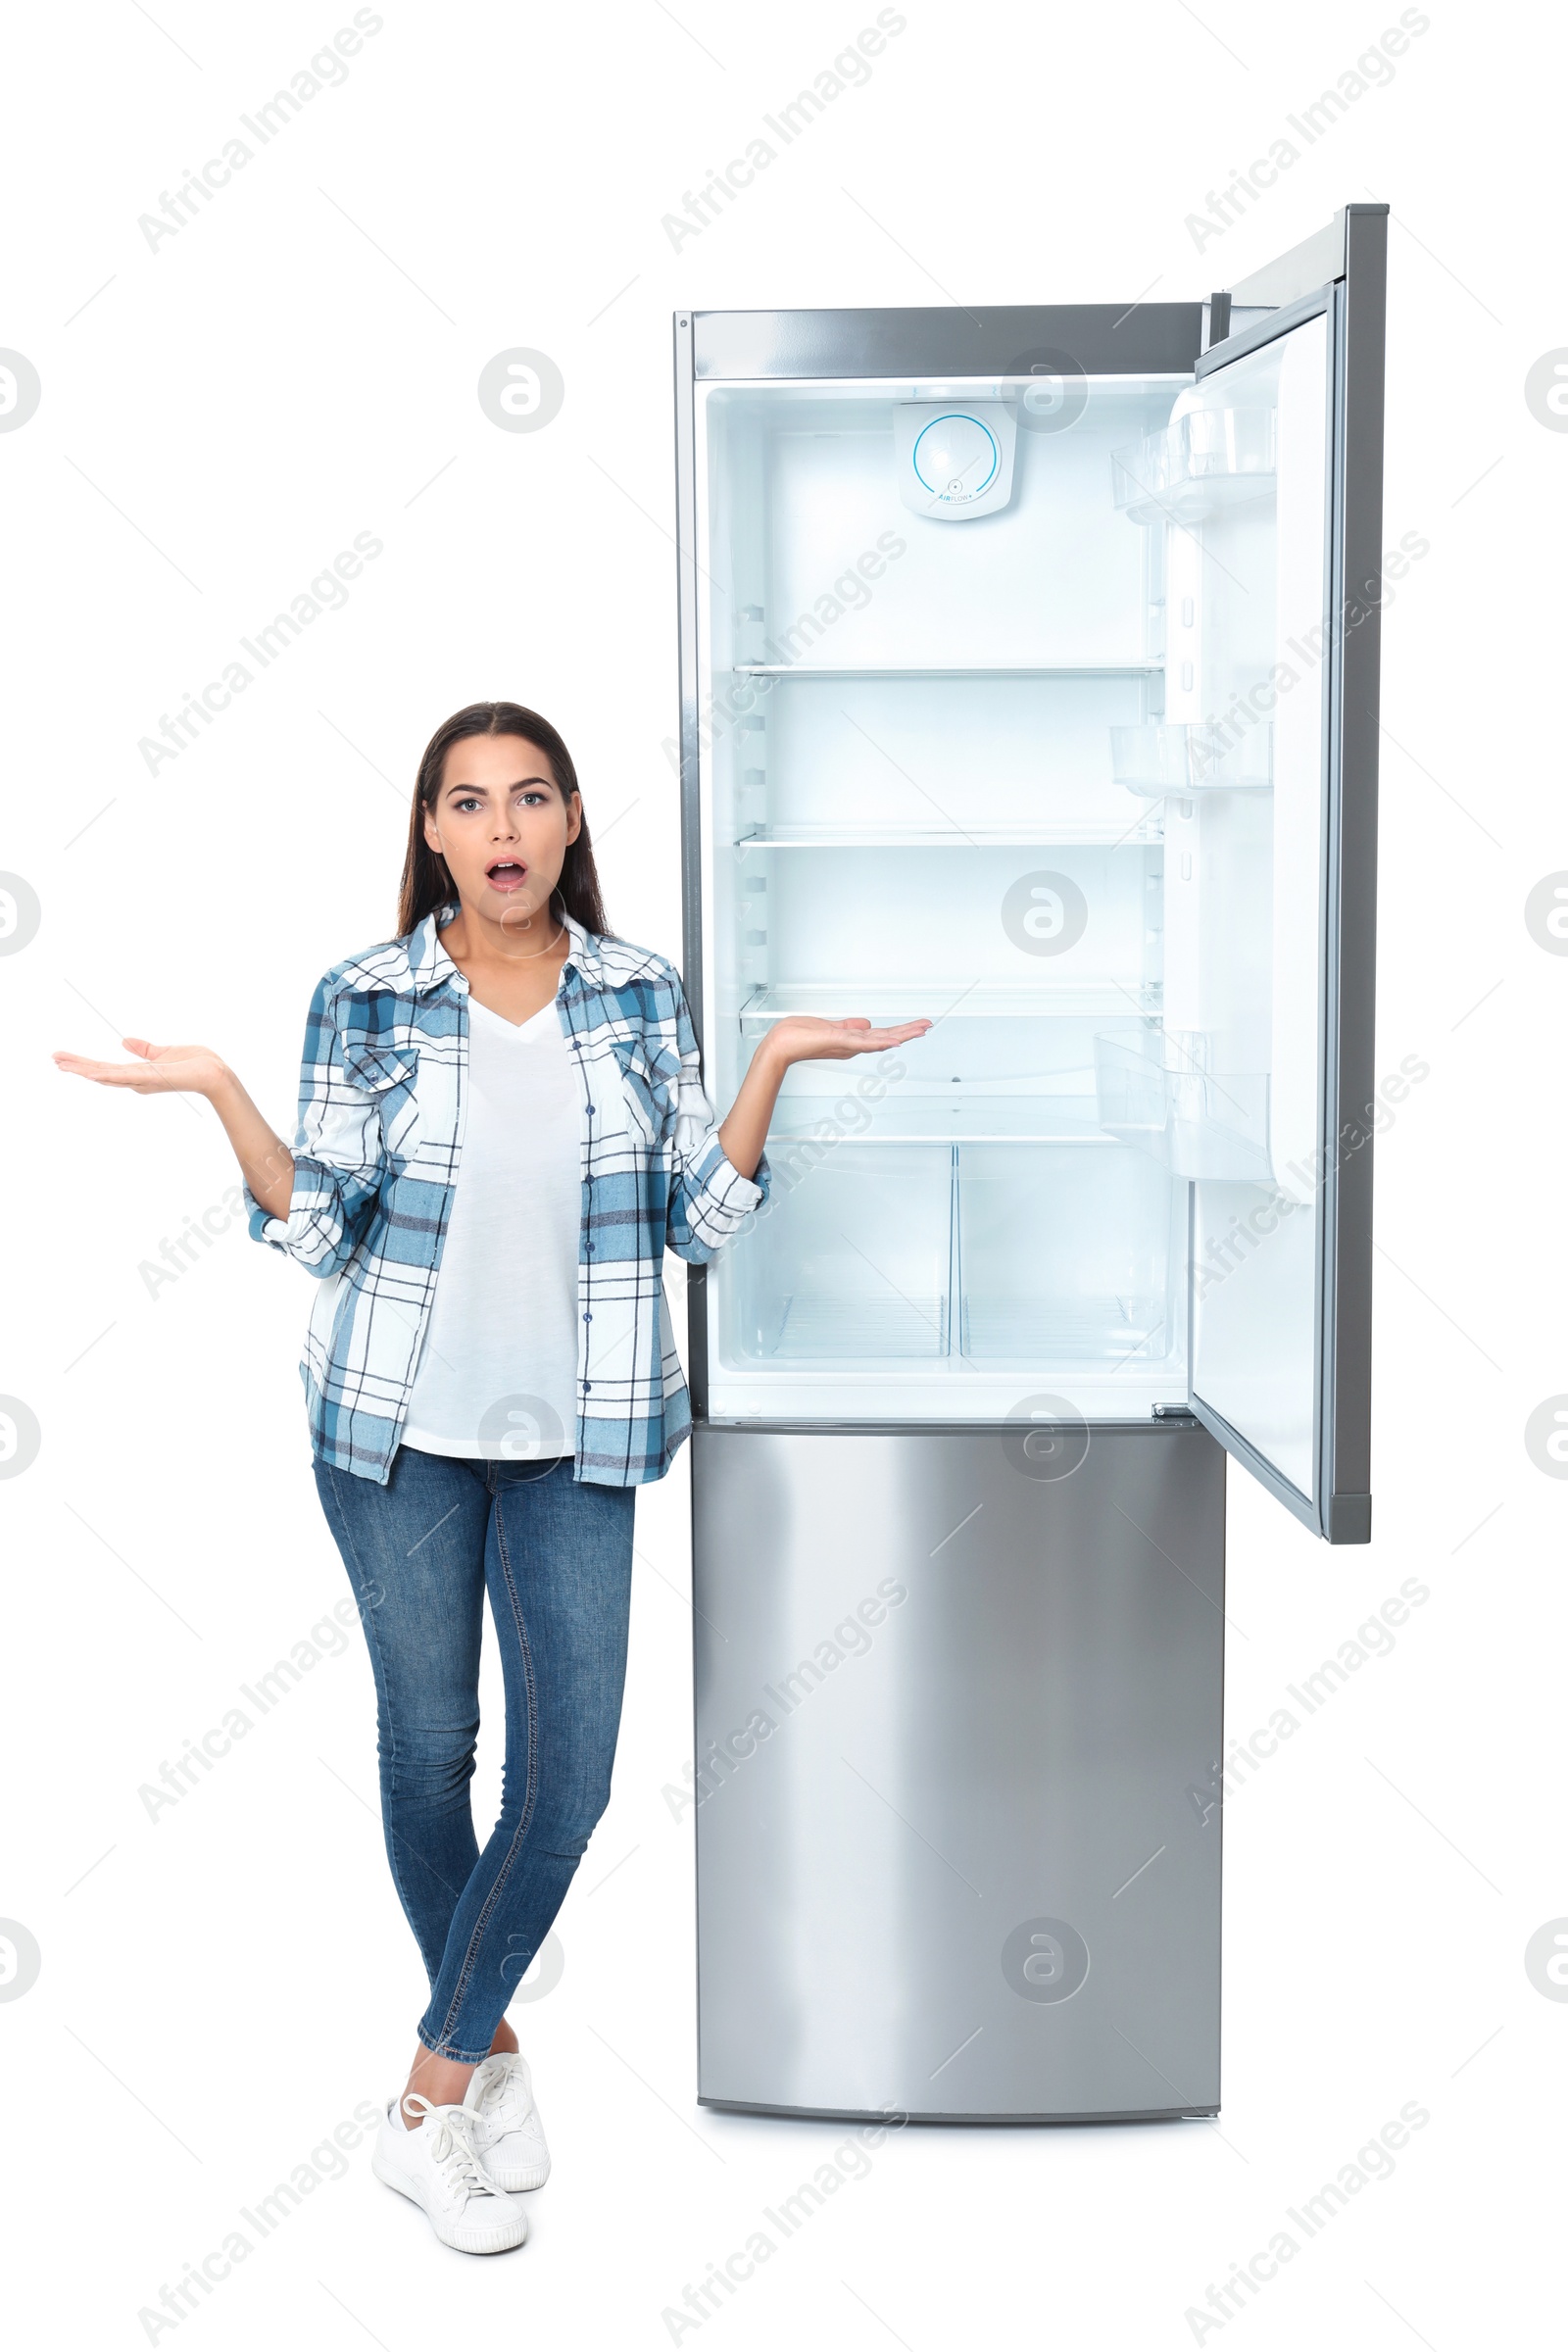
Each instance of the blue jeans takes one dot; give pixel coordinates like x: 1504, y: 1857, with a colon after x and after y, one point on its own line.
x: 556, y: 1556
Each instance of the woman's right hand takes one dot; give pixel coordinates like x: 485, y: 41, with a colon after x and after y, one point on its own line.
x: 266, y: 1161
x: 159, y: 1070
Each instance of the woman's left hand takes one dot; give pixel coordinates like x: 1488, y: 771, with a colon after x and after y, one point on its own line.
x: 804, y: 1038
x: 801, y: 1036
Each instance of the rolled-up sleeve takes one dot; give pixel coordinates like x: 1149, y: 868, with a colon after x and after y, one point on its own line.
x: 339, y: 1156
x: 710, y: 1199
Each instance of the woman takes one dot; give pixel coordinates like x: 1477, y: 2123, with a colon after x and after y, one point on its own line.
x: 501, y: 1127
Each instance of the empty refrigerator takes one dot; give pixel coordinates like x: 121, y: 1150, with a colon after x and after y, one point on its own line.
x: 1020, y: 690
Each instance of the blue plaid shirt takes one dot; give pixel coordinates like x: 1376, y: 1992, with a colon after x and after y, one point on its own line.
x: 377, y: 1156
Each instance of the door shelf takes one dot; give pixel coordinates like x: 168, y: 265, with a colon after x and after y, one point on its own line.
x: 1091, y: 833
x: 1164, y: 757
x: 1204, y: 462
x: 883, y: 1002
x: 1155, y: 1095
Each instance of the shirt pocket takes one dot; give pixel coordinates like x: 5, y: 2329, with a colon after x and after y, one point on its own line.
x: 648, y: 1077
x: 389, y: 1070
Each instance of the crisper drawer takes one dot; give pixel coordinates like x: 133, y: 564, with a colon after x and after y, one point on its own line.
x: 1067, y: 1253
x: 848, y: 1260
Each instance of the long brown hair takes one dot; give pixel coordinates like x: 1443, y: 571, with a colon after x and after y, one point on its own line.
x: 426, y: 881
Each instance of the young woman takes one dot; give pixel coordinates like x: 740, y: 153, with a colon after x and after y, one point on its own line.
x: 501, y: 1127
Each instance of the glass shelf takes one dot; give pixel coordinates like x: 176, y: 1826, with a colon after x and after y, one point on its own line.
x: 927, y: 1119
x: 1164, y: 757
x: 1088, y: 834
x: 938, y: 670
x: 888, y: 1002
x: 1207, y: 460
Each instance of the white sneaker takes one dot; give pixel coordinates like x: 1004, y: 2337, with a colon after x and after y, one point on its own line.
x: 507, y: 2131
x: 438, y: 2165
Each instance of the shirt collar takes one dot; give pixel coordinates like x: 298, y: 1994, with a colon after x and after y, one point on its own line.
x: 429, y: 965
x: 583, y: 955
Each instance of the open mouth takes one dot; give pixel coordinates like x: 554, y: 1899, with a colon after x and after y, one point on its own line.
x: 506, y: 874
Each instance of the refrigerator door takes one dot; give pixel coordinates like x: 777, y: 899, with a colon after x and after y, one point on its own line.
x: 1270, y: 483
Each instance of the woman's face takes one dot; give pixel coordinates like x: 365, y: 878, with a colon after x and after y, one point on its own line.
x: 501, y: 825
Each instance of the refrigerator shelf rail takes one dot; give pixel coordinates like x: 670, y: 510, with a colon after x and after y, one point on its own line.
x: 962, y: 1125
x: 942, y: 1000
x: 951, y: 669
x: 1065, y: 834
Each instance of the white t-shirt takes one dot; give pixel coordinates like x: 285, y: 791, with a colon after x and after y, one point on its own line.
x: 496, y: 1376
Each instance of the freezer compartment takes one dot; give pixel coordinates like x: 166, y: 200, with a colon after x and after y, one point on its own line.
x: 1066, y: 1255
x: 957, y: 1844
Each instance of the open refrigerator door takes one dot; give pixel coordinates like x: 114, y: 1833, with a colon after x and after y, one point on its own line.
x: 1019, y: 702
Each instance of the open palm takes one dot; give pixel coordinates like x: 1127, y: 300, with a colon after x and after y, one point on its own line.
x: 801, y: 1036
x: 158, y: 1070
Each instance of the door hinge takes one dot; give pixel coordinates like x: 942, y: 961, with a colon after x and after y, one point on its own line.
x: 1182, y: 1414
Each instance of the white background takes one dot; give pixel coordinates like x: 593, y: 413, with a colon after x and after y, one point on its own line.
x: 221, y: 1985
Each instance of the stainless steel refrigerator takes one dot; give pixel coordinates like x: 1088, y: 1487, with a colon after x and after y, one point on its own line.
x: 1029, y: 681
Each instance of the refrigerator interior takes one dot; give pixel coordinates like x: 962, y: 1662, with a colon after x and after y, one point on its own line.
x: 1022, y: 771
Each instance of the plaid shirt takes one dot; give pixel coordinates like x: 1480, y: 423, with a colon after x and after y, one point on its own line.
x: 382, y: 1095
